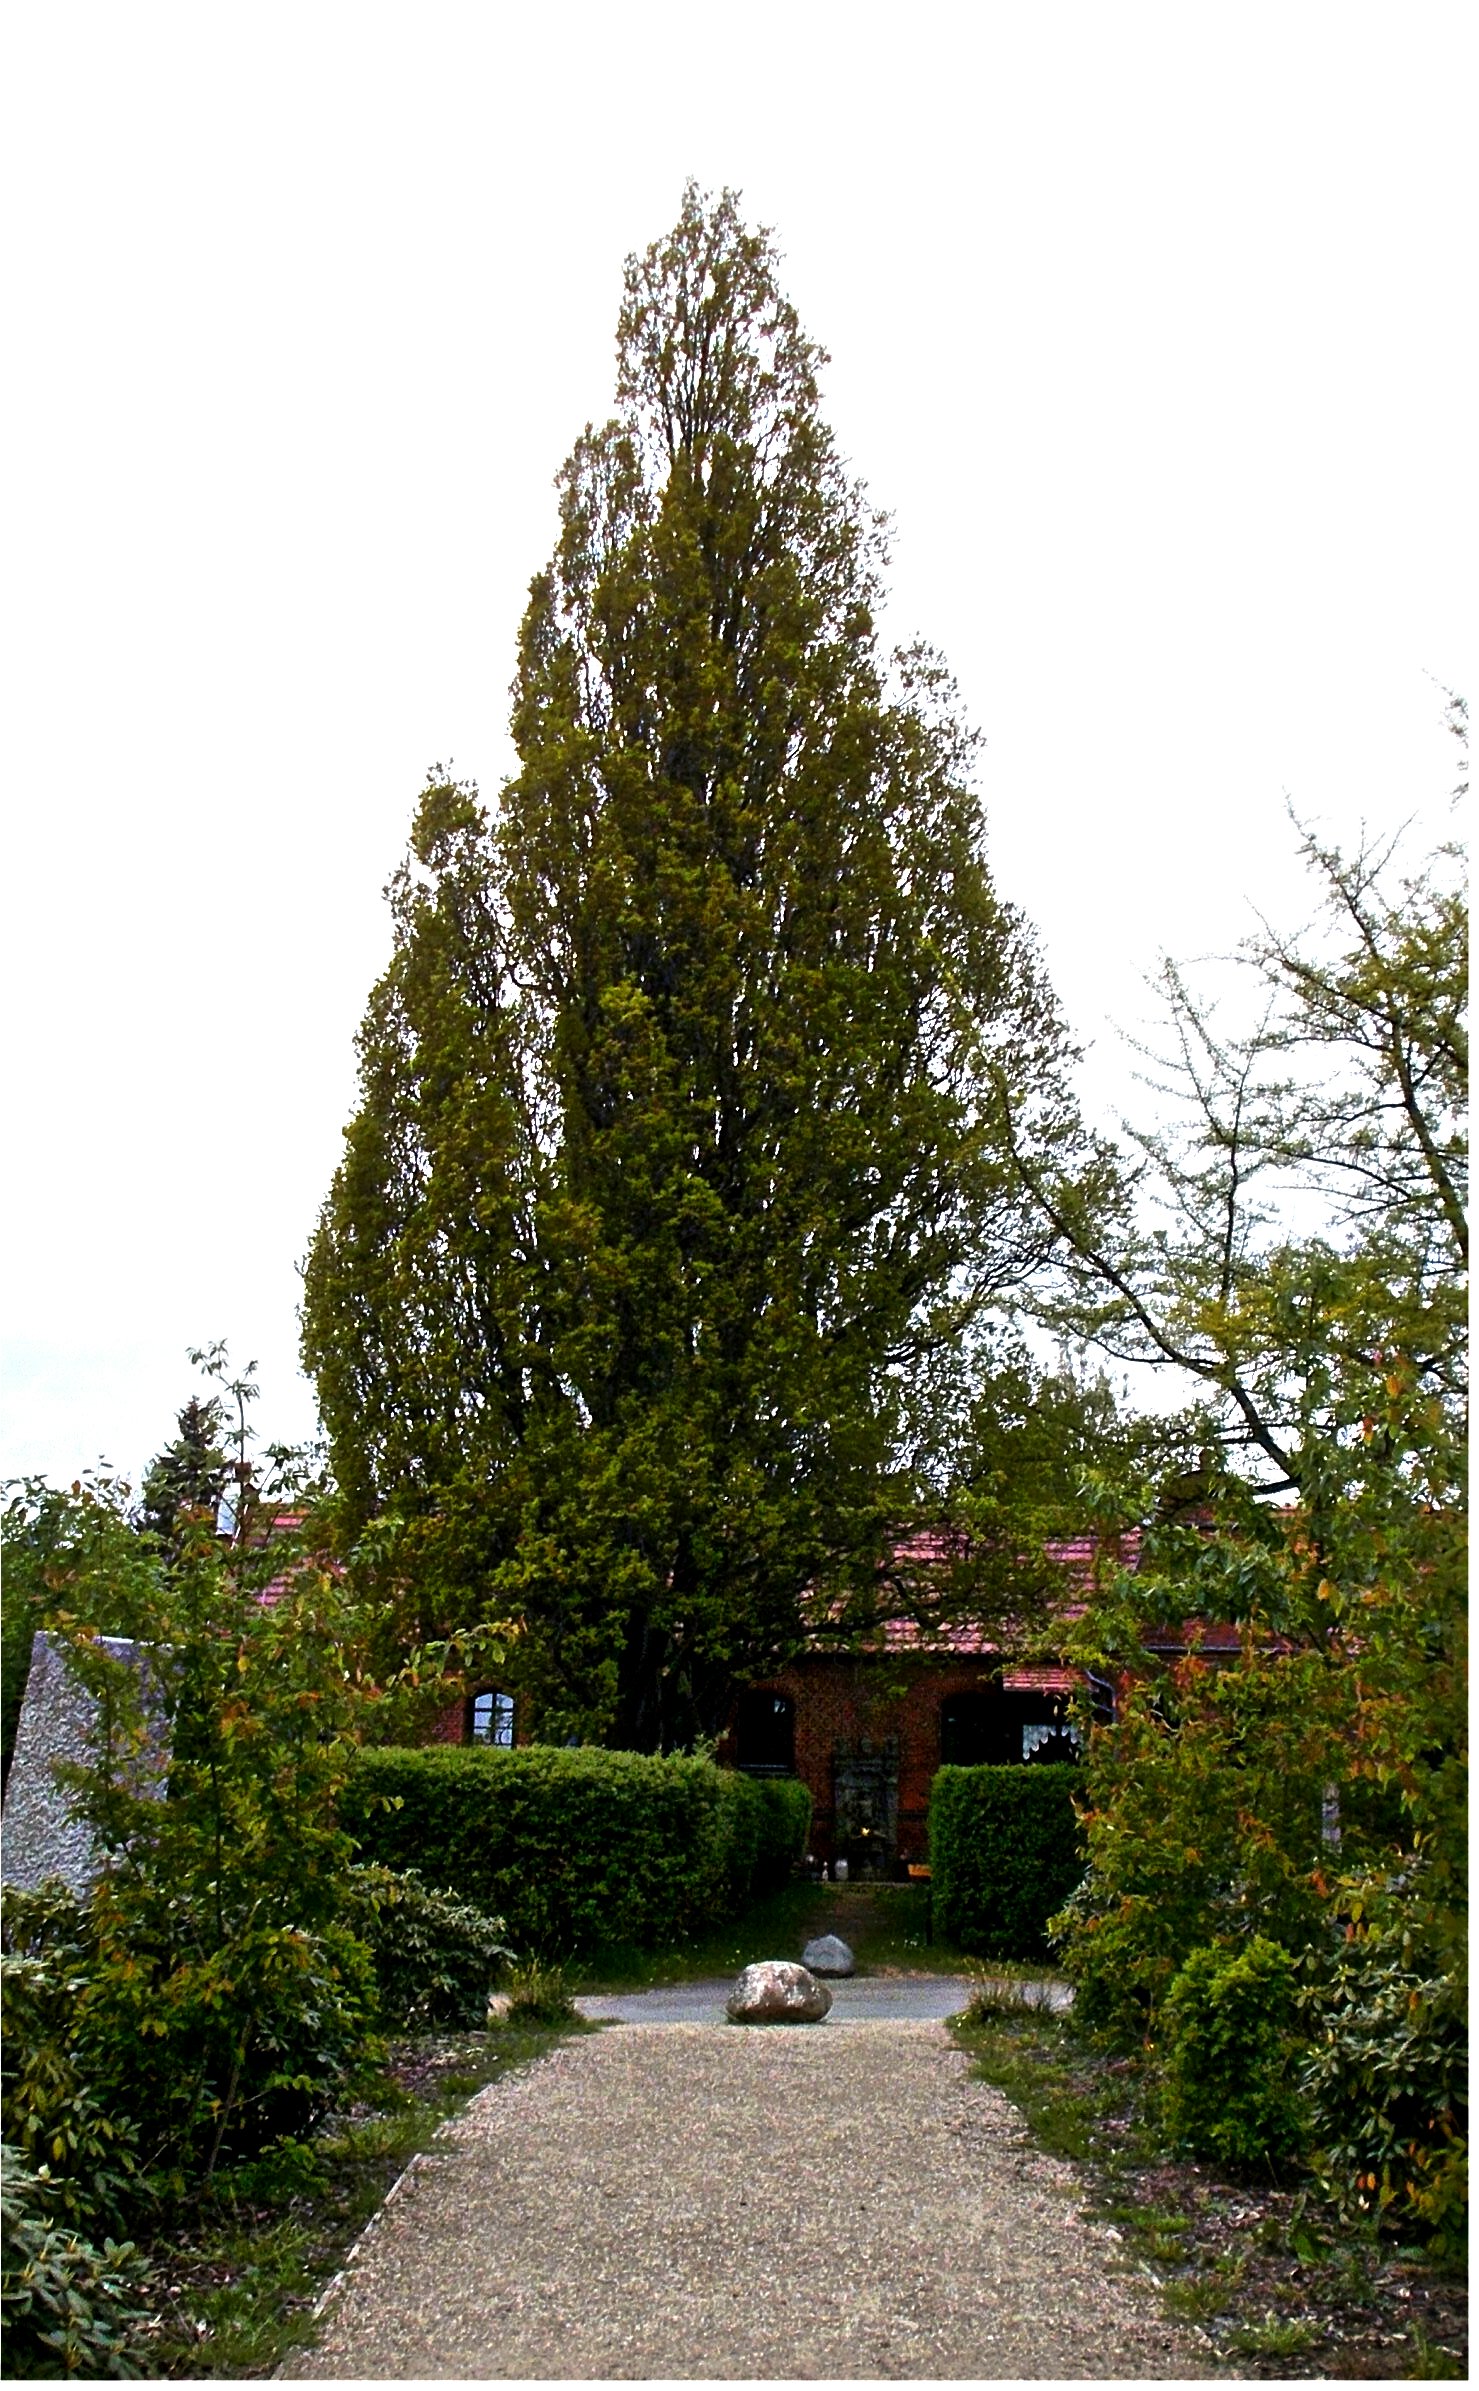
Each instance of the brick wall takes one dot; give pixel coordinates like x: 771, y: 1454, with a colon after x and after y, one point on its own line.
x: 842, y: 1699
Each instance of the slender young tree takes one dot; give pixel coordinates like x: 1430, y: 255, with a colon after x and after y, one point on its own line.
x: 1299, y: 1250
x: 680, y: 1147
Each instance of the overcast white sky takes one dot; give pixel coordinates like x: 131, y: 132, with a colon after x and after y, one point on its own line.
x: 1146, y: 326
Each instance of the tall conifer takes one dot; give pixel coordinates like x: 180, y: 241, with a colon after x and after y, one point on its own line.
x: 678, y: 1174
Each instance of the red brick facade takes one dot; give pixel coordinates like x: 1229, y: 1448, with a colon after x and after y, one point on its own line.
x: 880, y: 1719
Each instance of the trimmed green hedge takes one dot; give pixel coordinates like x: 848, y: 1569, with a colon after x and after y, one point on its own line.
x: 578, y: 1850
x: 1005, y: 1853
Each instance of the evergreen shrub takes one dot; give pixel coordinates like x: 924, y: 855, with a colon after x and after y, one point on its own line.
x: 70, y: 2310
x: 436, y: 1959
x: 1387, y: 2069
x: 1231, y: 2050
x: 49, y: 2114
x: 1005, y: 1854
x: 578, y: 1850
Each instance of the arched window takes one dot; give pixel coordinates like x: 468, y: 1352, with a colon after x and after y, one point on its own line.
x: 765, y: 1735
x: 490, y: 1719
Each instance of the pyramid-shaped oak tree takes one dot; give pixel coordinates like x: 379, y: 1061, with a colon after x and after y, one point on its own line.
x: 677, y: 1178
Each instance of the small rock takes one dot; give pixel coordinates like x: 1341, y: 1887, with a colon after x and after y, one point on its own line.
x: 828, y: 1956
x: 777, y: 1992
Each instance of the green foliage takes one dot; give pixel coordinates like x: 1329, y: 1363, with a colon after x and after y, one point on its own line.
x: 1230, y: 2024
x: 578, y: 1850
x: 1333, y: 1370
x: 189, y: 1476
x: 218, y: 1998
x: 218, y: 2049
x: 436, y: 1959
x: 1004, y: 1852
x: 538, y: 1995
x: 678, y: 1160
x: 227, y: 1996
x: 70, y: 2311
x: 1387, y: 2074
x: 1203, y: 1813
x: 50, y: 2113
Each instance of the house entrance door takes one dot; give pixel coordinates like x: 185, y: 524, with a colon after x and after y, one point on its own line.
x: 865, y: 1798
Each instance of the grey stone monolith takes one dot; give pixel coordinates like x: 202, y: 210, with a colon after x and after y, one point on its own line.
x: 58, y: 1723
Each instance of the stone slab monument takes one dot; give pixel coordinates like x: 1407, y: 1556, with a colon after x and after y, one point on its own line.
x: 58, y: 1722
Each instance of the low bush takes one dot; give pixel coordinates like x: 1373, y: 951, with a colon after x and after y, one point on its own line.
x: 69, y: 2309
x: 220, y: 1999
x: 1386, y: 2075
x: 1202, y: 1821
x: 1230, y: 2027
x: 218, y: 2048
x: 135, y: 2042
x: 577, y: 1850
x: 48, y: 2112
x: 436, y: 1959
x: 1004, y: 1855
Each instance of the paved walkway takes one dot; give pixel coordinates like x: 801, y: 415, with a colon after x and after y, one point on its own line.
x: 701, y: 2003
x: 668, y: 2200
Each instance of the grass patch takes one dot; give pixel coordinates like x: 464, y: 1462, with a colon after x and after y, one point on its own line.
x: 1278, y: 2337
x: 236, y: 2283
x: 538, y: 1994
x: 1278, y: 2286
x: 886, y: 1926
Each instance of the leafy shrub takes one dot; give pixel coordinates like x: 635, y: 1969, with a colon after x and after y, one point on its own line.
x: 221, y: 1999
x: 1230, y: 2025
x: 69, y: 2309
x: 1004, y: 1852
x: 577, y: 1850
x: 218, y: 2048
x: 1386, y: 2075
x: 436, y: 1959
x: 132, y: 2039
x: 48, y: 2112
x: 1122, y: 1954
x: 1202, y: 1823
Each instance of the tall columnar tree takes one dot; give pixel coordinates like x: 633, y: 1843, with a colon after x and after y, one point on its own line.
x: 679, y: 1156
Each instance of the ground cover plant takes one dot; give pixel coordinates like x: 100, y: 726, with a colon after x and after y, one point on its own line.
x: 1278, y: 2279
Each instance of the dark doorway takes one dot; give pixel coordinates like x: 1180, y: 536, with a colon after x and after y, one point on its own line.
x: 865, y: 1796
x: 765, y: 1735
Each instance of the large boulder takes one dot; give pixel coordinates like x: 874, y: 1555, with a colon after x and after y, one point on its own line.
x: 828, y: 1956
x: 777, y: 1992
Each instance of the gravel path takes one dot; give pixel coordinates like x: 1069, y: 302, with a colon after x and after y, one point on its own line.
x: 761, y: 2202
